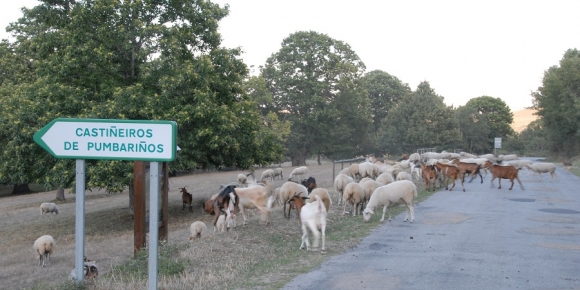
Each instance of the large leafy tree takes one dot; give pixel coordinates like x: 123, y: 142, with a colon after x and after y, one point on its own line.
x: 420, y: 120
x: 315, y: 83
x: 384, y: 91
x: 535, y: 139
x: 474, y: 129
x: 498, y: 115
x: 558, y: 104
x: 146, y: 60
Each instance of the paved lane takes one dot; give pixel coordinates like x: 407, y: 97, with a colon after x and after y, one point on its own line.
x: 485, y: 238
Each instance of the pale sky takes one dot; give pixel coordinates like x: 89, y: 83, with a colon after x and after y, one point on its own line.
x: 464, y: 49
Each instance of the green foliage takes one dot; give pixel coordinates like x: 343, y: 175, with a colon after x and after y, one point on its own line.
x: 140, y: 60
x: 474, y: 129
x: 385, y: 91
x: 535, y: 138
x: 316, y: 84
x: 419, y: 120
x: 558, y: 104
x: 498, y: 115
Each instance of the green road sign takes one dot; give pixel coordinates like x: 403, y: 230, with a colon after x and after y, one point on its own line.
x: 109, y: 139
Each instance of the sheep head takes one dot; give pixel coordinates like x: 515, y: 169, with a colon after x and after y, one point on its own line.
x: 367, y: 213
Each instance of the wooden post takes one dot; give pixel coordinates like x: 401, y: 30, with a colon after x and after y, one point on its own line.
x: 139, y: 233
x: 164, y: 230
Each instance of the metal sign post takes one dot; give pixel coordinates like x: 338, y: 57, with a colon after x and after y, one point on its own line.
x: 81, y: 139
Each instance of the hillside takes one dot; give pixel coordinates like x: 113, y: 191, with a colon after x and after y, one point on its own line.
x: 522, y: 118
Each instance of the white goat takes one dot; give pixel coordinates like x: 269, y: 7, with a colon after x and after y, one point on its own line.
x: 391, y: 194
x: 542, y: 168
x: 300, y: 171
x: 313, y: 216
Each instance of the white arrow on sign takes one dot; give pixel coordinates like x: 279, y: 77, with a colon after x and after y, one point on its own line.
x: 109, y: 139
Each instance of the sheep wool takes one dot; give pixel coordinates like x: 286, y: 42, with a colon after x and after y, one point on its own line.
x: 44, y: 247
x: 48, y: 207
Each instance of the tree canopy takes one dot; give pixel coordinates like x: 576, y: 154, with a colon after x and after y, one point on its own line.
x: 141, y: 60
x: 474, y: 130
x: 558, y: 104
x: 419, y: 120
x: 315, y: 83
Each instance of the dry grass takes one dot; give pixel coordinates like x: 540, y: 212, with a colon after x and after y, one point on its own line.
x: 254, y: 256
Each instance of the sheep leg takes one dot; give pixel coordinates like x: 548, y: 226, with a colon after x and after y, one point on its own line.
x: 552, y: 176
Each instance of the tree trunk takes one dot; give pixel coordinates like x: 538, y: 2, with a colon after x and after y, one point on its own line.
x: 299, y: 158
x: 131, y: 199
x: 60, y: 193
x: 21, y: 188
x: 319, y: 159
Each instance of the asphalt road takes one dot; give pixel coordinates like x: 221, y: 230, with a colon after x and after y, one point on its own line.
x: 484, y: 238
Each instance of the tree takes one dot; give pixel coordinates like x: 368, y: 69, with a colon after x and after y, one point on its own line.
x: 419, y: 120
x: 498, y: 114
x: 535, y: 139
x: 558, y: 104
x: 385, y: 91
x: 316, y: 83
x: 143, y: 60
x: 474, y: 129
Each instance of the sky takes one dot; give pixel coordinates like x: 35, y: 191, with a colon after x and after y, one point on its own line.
x: 464, y: 49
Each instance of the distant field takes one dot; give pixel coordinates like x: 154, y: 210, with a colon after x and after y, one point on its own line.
x: 522, y: 118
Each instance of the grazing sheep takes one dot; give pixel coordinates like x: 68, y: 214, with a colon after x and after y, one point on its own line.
x: 345, y: 171
x: 354, y: 171
x: 467, y: 155
x: 391, y: 194
x: 505, y: 172
x: 44, y: 246
x: 323, y: 196
x: 340, y: 182
x: 48, y: 207
x: 278, y: 172
x: 186, y: 199
x: 242, y: 179
x: 542, y: 168
x: 362, y: 181
x: 385, y: 178
x: 197, y: 230
x: 507, y: 157
x: 300, y: 171
x: 404, y: 176
x: 415, y: 157
x: 288, y: 190
x: 353, y: 194
x: 268, y: 173
x: 365, y: 169
x: 312, y: 216
x: 368, y: 189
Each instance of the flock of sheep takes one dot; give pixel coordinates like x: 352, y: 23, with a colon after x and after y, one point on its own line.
x: 370, y: 185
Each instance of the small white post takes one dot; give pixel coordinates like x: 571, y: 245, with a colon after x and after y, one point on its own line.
x: 80, y: 221
x: 153, y: 223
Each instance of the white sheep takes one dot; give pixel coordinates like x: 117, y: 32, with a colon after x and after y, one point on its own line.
x: 268, y: 173
x: 415, y: 157
x: 365, y: 169
x: 519, y: 164
x: 354, y: 171
x: 508, y: 157
x: 242, y: 179
x: 467, y: 155
x: 197, y: 230
x: 300, y: 171
x: 385, y: 178
x: 279, y: 172
x: 340, y: 182
x: 353, y: 194
x: 391, y: 194
x: 288, y: 190
x: 542, y: 168
x: 404, y: 176
x: 44, y: 247
x: 48, y: 207
x: 322, y: 196
x: 368, y: 189
x: 91, y: 271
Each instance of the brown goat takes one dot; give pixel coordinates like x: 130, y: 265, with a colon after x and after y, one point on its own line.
x: 297, y: 201
x: 226, y: 202
x: 186, y: 198
x: 450, y: 172
x: 505, y: 172
x: 207, y: 205
x: 472, y: 169
x: 428, y: 174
